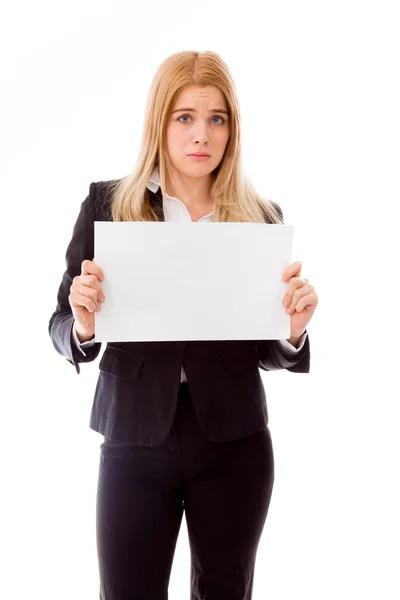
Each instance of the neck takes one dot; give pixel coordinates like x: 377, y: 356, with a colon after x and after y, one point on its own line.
x: 191, y: 191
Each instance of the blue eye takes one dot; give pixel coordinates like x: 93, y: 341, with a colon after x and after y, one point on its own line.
x: 216, y: 117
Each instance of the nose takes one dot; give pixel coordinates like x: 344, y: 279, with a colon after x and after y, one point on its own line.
x: 200, y: 133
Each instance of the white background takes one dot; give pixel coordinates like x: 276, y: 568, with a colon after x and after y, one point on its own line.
x: 318, y: 87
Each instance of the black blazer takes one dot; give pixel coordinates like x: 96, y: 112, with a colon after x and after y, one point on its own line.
x: 138, y: 382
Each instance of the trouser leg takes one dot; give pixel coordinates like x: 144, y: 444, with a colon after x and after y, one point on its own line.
x: 139, y: 513
x: 226, y: 507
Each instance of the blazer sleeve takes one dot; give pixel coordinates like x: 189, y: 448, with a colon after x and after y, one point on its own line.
x: 272, y: 354
x: 80, y: 248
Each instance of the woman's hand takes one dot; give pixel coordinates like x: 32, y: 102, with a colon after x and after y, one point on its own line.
x: 300, y: 299
x: 85, y: 297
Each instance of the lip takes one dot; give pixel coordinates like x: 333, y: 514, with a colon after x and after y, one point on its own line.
x: 199, y: 154
x: 199, y: 157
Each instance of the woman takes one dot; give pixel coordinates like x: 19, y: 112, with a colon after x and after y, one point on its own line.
x: 185, y: 424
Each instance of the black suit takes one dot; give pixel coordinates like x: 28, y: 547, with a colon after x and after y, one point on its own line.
x: 138, y: 383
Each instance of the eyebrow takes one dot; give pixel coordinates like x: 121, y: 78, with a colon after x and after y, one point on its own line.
x: 220, y: 110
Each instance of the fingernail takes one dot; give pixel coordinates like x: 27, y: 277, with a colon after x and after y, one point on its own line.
x: 284, y: 278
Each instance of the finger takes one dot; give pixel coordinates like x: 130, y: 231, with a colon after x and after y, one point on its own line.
x: 90, y: 281
x: 91, y: 293
x: 293, y: 285
x: 300, y: 293
x: 89, y: 267
x: 292, y: 270
x: 78, y: 298
x: 310, y: 299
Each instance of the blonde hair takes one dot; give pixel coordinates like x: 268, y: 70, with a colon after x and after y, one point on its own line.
x: 233, y: 195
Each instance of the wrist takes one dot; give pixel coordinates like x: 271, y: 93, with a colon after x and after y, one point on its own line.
x: 82, y: 337
x: 294, y: 339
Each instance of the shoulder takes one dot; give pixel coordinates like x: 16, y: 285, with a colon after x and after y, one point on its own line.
x: 102, y: 195
x: 278, y: 211
x: 103, y: 189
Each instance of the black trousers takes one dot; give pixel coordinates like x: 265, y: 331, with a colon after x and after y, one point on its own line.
x: 224, y: 488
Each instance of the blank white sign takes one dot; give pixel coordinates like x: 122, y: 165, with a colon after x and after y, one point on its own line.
x: 170, y: 281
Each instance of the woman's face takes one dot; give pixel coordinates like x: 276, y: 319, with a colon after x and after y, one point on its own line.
x: 203, y: 128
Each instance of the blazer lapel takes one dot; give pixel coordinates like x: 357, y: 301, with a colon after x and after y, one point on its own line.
x: 156, y: 202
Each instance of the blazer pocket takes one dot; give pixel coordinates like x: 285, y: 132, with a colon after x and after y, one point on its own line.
x: 122, y: 363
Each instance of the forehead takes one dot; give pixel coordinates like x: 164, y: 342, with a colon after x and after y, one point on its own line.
x: 209, y: 94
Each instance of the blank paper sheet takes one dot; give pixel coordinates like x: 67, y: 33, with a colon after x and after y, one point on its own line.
x: 172, y: 281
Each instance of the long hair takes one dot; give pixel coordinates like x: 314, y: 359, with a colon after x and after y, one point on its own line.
x: 234, y: 198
